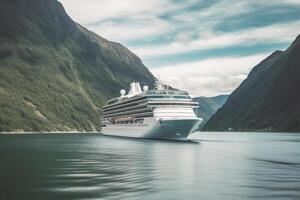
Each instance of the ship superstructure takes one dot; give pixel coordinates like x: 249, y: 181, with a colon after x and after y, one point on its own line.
x: 161, y: 113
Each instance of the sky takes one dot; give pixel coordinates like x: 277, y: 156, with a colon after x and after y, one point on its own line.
x: 205, y: 47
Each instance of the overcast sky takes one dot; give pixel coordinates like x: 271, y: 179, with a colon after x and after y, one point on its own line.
x: 206, y: 47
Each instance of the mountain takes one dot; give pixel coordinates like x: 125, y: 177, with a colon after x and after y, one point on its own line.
x: 55, y: 74
x: 209, y: 106
x: 268, y: 100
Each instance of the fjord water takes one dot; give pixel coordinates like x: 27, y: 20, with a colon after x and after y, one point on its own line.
x: 91, y: 166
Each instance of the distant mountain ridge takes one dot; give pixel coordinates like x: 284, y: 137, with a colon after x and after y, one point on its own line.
x: 208, y: 106
x: 55, y: 74
x: 268, y: 100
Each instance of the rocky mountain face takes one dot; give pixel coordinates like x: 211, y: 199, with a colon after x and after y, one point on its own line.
x: 208, y: 106
x: 55, y: 74
x: 268, y: 100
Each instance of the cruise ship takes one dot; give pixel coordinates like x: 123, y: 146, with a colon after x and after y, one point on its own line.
x: 160, y: 113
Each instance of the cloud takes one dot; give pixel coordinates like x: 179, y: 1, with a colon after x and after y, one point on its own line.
x: 93, y: 11
x: 132, y: 30
x: 161, y: 31
x: 98, y: 10
x: 293, y: 2
x: 132, y: 20
x: 209, y: 77
x: 277, y: 33
x: 123, y: 21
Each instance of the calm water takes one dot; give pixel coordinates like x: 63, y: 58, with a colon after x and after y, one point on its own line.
x: 216, y: 166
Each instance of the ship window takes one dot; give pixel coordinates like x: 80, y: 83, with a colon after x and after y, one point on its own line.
x: 182, y: 97
x: 139, y: 121
x: 170, y: 97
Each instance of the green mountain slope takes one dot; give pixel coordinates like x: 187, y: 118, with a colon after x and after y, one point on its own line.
x: 268, y: 100
x: 55, y: 74
x: 209, y: 106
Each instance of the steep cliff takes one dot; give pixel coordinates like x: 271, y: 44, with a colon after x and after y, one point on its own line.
x: 55, y: 74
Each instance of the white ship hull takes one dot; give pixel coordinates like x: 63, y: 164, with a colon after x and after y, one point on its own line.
x: 169, y: 129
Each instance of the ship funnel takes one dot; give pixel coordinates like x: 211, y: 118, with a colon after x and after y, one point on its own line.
x: 135, y: 89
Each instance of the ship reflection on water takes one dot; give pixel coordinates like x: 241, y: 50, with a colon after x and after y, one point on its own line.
x: 214, y: 166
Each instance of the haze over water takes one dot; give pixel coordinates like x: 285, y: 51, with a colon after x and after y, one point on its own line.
x: 214, y: 166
